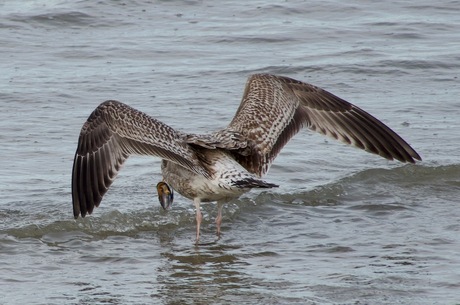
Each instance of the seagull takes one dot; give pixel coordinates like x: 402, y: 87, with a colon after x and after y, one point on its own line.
x: 221, y: 165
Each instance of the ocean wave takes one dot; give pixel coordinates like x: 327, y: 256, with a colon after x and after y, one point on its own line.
x: 55, y: 18
x: 380, y: 184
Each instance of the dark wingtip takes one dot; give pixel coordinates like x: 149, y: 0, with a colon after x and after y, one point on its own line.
x: 417, y: 156
x: 413, y: 157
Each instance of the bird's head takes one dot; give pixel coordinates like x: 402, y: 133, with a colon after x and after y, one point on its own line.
x: 165, y: 195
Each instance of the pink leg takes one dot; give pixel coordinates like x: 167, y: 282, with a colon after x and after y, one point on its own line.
x: 220, y: 205
x: 199, y: 217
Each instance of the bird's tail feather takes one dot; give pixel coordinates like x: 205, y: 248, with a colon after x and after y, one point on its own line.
x: 253, y: 183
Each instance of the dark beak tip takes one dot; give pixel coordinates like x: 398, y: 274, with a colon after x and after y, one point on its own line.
x: 166, y: 202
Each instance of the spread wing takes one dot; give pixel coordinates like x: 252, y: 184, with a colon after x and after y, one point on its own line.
x: 274, y: 109
x: 111, y: 134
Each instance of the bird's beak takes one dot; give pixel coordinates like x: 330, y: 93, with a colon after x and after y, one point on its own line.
x: 165, y: 195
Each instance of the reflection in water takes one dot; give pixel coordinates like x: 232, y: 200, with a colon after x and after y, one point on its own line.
x: 206, y: 274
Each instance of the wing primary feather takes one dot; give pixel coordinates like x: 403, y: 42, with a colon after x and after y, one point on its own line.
x: 353, y: 136
x: 95, y: 179
x: 385, y: 145
x: 75, y: 186
x: 82, y: 186
x: 107, y: 166
x: 372, y: 142
x: 401, y: 150
x: 89, y: 181
x: 100, y: 164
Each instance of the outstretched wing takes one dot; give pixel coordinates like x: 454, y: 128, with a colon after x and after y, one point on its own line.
x: 111, y: 134
x: 275, y: 108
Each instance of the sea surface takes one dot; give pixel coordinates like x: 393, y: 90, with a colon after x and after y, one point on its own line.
x: 344, y: 227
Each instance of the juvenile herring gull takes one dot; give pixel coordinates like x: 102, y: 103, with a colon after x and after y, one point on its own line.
x: 222, y: 165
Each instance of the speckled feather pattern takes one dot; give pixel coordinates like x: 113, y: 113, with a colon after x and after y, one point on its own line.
x: 228, y: 162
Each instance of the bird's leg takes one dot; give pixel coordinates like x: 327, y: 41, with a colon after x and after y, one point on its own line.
x: 199, y: 217
x: 220, y: 205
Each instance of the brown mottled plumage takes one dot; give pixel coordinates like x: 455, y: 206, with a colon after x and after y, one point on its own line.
x: 225, y: 164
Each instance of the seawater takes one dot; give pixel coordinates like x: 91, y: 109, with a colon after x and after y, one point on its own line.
x: 344, y: 227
